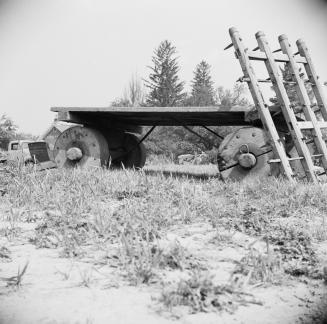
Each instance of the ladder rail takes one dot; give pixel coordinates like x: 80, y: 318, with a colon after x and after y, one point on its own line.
x: 288, y: 113
x: 262, y: 108
x: 304, y: 99
x: 313, y: 78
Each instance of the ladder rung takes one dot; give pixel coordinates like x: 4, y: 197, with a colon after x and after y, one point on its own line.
x: 308, y: 124
x: 294, y: 158
x: 317, y: 155
x: 260, y: 56
x: 277, y: 50
x: 290, y: 159
x: 245, y: 79
x: 228, y: 46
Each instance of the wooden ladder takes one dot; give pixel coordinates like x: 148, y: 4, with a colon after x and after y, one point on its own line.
x: 295, y: 126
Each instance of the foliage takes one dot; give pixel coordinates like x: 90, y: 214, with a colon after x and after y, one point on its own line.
x: 175, y: 140
x: 202, y: 93
x: 7, y: 127
x: 7, y: 131
x: 165, y: 88
x: 200, y: 293
x: 133, y: 96
x: 229, y: 98
x: 291, y: 88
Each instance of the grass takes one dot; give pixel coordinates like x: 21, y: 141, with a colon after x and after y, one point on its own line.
x: 200, y: 293
x: 16, y: 281
x: 134, y: 210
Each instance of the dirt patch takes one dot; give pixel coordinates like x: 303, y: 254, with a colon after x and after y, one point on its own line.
x: 72, y: 290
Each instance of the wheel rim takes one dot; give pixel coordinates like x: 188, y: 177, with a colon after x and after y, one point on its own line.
x: 245, y: 153
x: 125, y: 150
x: 81, y: 147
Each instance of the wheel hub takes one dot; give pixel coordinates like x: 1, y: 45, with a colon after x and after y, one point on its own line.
x: 244, y: 153
x: 247, y: 160
x: 74, y: 154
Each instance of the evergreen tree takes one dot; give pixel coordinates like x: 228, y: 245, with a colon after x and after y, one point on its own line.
x: 203, y: 93
x: 165, y: 88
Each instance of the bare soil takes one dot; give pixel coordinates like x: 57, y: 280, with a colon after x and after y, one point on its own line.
x: 56, y: 289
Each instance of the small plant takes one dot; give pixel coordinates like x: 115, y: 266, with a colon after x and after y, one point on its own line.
x: 201, y: 294
x: 138, y: 259
x: 258, y: 267
x: 65, y: 274
x: 86, y: 277
x: 5, y: 254
x: 16, y: 281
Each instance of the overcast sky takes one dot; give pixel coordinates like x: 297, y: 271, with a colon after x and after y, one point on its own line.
x: 83, y: 52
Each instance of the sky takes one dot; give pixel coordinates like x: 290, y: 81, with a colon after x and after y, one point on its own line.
x: 84, y: 52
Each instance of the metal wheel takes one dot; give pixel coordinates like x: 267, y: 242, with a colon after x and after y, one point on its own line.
x: 125, y: 150
x: 81, y: 146
x: 245, y: 153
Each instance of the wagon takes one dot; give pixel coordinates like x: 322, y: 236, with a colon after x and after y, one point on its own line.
x: 271, y: 140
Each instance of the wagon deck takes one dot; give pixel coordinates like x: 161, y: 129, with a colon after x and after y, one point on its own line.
x: 160, y: 116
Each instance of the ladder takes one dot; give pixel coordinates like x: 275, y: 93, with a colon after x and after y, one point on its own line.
x: 296, y: 128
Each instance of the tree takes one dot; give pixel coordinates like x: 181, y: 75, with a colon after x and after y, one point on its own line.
x: 165, y: 88
x: 229, y: 98
x: 7, y: 131
x: 7, y: 127
x: 203, y: 93
x: 134, y: 94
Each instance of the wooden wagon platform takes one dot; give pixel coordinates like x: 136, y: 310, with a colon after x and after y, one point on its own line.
x: 160, y: 116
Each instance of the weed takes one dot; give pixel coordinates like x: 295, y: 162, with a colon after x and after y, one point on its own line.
x: 200, y: 294
x: 5, y: 254
x: 86, y: 277
x: 258, y: 267
x: 16, y: 281
x: 65, y: 274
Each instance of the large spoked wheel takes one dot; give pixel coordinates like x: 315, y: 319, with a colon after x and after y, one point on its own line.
x: 125, y: 150
x: 81, y: 146
x: 245, y: 153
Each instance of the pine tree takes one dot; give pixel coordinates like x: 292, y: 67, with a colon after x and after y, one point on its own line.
x: 203, y: 93
x: 165, y: 88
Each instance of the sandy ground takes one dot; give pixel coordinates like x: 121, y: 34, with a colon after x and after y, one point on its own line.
x: 62, y: 290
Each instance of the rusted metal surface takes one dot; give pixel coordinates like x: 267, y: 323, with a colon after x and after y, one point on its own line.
x: 90, y: 142
x: 160, y: 116
x: 245, y: 153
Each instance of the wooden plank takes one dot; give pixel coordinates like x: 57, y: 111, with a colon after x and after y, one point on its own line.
x: 131, y: 117
x: 259, y: 102
x: 288, y: 113
x: 123, y: 110
x: 309, y: 125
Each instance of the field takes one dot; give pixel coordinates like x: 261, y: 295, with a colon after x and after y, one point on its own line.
x: 163, y: 245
